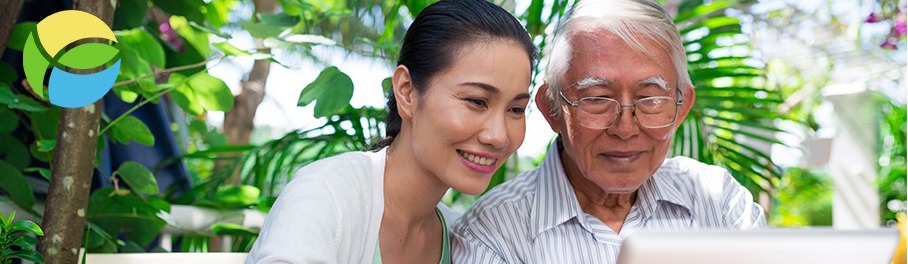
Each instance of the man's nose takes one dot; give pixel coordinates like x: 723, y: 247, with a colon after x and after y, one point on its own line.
x: 626, y: 126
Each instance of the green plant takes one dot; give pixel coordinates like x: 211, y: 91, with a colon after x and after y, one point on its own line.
x: 16, y: 241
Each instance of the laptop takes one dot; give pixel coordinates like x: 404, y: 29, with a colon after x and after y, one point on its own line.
x: 776, y: 246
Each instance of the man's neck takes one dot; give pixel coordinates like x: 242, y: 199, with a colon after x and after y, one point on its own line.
x: 610, y: 208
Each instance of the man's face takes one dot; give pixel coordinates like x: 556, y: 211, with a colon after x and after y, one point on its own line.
x: 618, y: 159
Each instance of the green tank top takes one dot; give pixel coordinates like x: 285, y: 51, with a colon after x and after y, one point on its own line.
x: 445, y: 248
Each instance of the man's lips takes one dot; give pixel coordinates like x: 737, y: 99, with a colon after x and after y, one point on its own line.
x: 622, y: 156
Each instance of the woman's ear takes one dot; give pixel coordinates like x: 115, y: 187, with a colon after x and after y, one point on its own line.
x: 404, y: 92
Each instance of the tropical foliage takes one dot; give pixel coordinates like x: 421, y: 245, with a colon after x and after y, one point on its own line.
x: 17, y: 239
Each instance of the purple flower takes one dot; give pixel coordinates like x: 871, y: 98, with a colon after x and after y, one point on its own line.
x: 170, y: 36
x: 872, y: 18
x: 888, y: 45
x: 900, y: 24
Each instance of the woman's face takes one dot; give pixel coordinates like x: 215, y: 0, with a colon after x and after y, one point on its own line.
x: 470, y: 118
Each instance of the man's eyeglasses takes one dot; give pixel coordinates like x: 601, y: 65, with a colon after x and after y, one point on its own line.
x: 650, y: 112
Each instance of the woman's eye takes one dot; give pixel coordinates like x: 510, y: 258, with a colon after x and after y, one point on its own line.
x: 476, y: 102
x: 518, y: 110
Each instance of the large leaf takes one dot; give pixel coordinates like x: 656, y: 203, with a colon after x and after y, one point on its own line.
x: 332, y: 90
x: 139, y: 178
x: 8, y: 121
x: 212, y: 93
x: 13, y: 184
x: 131, y: 128
x: 20, y: 34
x: 139, y: 219
x: 144, y: 44
x: 13, y: 152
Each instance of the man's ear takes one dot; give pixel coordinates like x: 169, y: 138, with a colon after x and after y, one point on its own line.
x: 689, y: 97
x: 404, y: 92
x: 546, y: 108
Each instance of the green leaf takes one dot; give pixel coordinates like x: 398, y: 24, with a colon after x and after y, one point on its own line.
x: 332, y: 89
x: 212, y: 92
x: 144, y: 44
x: 125, y: 94
x: 130, y: 14
x: 261, y: 31
x: 309, y: 39
x: 216, y: 12
x: 29, y: 255
x: 136, y: 217
x: 46, y: 145
x: 186, y: 8
x: 44, y: 124
x: 387, y: 86
x: 45, y: 172
x: 7, y: 73
x: 12, y: 151
x: 212, y: 31
x: 26, y: 103
x: 198, y: 40
x: 237, y: 196
x: 8, y: 121
x: 184, y: 96
x: 230, y: 50
x: 138, y: 177
x: 26, y: 226
x: 13, y: 183
x: 283, y: 20
x: 131, y: 128
x: 229, y: 229
x: 20, y: 34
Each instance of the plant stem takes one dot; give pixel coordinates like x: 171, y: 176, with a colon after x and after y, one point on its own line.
x: 168, y: 70
x: 134, y: 108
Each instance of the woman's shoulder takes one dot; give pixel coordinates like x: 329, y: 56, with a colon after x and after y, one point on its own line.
x: 349, y: 171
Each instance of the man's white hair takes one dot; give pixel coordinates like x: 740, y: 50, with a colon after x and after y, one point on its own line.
x: 633, y: 21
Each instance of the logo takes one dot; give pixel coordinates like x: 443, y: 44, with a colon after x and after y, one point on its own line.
x: 44, y: 48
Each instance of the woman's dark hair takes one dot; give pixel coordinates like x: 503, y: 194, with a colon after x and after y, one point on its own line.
x: 439, y: 32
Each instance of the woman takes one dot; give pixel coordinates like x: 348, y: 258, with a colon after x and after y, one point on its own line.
x: 456, y: 114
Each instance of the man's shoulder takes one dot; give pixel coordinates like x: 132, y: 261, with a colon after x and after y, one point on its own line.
x: 517, y: 192
x: 691, y: 171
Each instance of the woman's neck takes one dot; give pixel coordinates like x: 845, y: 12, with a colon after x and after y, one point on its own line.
x: 411, y: 192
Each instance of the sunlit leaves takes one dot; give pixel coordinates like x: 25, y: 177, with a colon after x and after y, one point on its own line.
x: 130, y: 128
x: 332, y: 90
x: 200, y: 92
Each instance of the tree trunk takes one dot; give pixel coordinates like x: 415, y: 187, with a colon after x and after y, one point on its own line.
x: 73, y: 163
x: 238, y: 121
x: 9, y: 12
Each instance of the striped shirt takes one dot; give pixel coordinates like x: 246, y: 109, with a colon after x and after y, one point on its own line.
x: 535, y: 217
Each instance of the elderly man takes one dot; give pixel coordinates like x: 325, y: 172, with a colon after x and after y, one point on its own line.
x: 616, y: 91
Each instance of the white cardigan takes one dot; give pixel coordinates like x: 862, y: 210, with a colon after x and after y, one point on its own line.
x: 329, y: 213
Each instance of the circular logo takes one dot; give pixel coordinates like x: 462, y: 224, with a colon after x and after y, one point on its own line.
x: 44, y: 48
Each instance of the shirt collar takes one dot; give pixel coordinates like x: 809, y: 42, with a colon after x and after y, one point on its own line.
x: 663, y: 186
x: 555, y: 201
